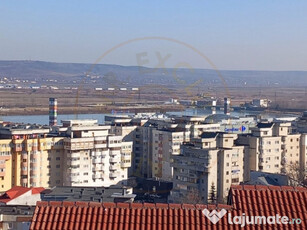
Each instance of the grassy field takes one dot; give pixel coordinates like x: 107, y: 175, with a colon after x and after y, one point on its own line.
x: 150, y: 98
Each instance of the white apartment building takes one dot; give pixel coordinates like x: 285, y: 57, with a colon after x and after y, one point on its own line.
x: 165, y: 144
x: 156, y: 138
x: 273, y: 148
x: 213, y: 160
x: 303, y: 157
x: 301, y: 123
x: 94, y: 157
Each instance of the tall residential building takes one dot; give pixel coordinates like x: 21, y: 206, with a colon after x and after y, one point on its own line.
x: 165, y: 144
x: 29, y: 158
x: 79, y: 153
x: 94, y: 157
x: 207, y: 167
x: 303, y: 157
x: 301, y: 123
x: 156, y: 138
x: 273, y: 148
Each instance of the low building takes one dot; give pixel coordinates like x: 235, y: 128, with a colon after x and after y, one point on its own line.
x: 16, y: 217
x: 263, y: 178
x: 21, y: 196
x: 113, y: 193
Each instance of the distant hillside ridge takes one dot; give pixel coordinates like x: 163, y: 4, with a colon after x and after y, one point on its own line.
x: 134, y: 75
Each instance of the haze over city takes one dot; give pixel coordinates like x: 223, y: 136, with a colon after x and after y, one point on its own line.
x: 158, y: 115
x: 236, y: 34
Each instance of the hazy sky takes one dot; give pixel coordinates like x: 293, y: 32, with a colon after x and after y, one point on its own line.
x: 233, y: 34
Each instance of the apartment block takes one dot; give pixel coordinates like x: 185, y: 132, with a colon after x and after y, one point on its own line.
x: 273, y: 148
x: 301, y: 123
x: 27, y: 155
x: 303, y: 157
x: 94, y: 157
x: 79, y: 153
x: 165, y: 144
x: 208, y: 165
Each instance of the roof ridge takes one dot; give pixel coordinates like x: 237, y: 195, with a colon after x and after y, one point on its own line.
x: 131, y: 205
x: 268, y: 187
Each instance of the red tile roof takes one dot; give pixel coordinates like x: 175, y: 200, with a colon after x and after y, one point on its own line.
x: 251, y: 200
x: 17, y: 191
x: 115, y: 216
x: 270, y: 200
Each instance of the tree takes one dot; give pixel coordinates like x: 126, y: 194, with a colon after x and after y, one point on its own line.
x: 295, y: 174
x: 193, y: 197
x: 212, y: 194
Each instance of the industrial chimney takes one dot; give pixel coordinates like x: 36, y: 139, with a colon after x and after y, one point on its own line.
x: 53, y: 110
x: 227, y: 106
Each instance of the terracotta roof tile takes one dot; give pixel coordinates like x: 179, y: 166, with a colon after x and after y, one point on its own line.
x: 251, y: 200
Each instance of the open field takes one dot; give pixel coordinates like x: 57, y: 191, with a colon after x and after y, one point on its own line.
x: 150, y: 98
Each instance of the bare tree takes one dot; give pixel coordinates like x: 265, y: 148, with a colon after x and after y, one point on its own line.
x: 296, y: 176
x: 193, y: 197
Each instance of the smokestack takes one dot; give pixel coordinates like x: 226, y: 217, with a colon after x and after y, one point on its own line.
x: 227, y: 106
x: 53, y: 110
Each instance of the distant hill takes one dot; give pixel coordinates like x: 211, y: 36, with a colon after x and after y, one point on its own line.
x: 108, y: 75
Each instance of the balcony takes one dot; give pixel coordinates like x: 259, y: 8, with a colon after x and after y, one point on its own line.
x: 97, y: 168
x: 74, y: 163
x: 97, y: 175
x: 73, y: 178
x: 125, y: 157
x: 79, y: 143
x: 125, y: 164
x: 113, y: 174
x: 113, y: 167
x: 74, y: 169
x: 114, y: 160
x: 114, y: 152
x: 100, y: 146
x: 97, y: 160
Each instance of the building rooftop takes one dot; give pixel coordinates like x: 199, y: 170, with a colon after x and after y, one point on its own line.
x: 83, y: 215
x: 209, y: 134
x: 270, y: 200
x: 250, y: 200
x: 15, y: 210
x: 264, y: 125
x: 97, y: 194
x: 17, y: 191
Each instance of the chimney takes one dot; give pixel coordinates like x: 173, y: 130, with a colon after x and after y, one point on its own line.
x: 53, y: 110
x: 227, y: 106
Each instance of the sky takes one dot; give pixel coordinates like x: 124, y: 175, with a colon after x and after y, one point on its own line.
x: 229, y: 34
